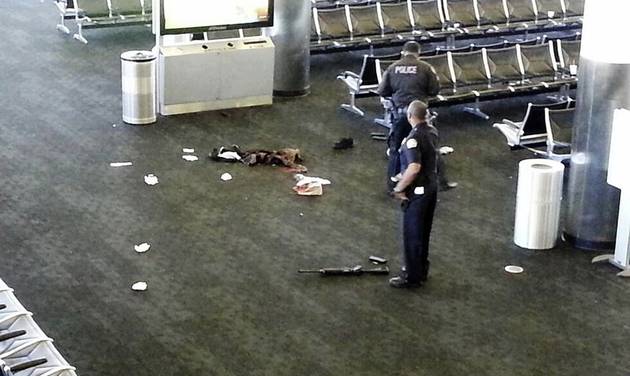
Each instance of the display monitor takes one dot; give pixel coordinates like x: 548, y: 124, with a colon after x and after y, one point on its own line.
x: 193, y: 16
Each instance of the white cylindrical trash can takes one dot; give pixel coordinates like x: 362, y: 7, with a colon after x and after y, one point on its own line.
x: 538, y: 203
x: 138, y: 87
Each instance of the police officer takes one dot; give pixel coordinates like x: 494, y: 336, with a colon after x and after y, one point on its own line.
x: 406, y: 80
x: 417, y: 187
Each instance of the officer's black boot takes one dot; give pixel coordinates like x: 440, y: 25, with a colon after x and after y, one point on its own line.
x: 402, y: 282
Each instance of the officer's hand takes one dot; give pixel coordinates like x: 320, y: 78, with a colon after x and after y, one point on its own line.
x: 402, y: 196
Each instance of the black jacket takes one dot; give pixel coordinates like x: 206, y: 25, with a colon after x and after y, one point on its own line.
x: 409, y: 79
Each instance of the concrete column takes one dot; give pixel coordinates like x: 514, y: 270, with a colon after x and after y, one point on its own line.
x: 604, y: 85
x: 291, y: 35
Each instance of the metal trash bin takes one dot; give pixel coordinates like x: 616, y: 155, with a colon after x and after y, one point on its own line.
x: 138, y: 87
x: 538, y: 203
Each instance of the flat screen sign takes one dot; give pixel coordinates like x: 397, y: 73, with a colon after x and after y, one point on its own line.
x: 180, y: 16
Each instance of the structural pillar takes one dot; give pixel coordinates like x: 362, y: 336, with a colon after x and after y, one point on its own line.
x: 604, y: 85
x: 291, y: 36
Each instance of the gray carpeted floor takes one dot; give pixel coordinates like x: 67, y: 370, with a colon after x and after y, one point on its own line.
x: 224, y: 297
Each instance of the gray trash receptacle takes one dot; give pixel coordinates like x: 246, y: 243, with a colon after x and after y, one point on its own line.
x: 138, y: 87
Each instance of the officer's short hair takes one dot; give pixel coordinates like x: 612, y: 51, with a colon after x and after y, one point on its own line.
x: 411, y: 47
x: 417, y: 109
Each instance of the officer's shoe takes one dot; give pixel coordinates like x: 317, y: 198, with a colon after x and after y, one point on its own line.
x: 402, y: 283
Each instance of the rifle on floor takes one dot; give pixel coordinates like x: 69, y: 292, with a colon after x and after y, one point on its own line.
x: 346, y: 271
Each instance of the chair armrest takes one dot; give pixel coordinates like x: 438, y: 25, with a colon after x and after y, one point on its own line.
x: 348, y: 73
x: 62, y: 6
x: 512, y: 123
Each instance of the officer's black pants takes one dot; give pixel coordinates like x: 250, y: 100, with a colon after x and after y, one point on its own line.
x: 417, y: 222
x: 400, y: 129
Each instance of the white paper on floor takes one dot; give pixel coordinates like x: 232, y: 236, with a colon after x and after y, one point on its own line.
x: 446, y: 150
x: 190, y: 158
x: 120, y: 164
x: 187, y: 150
x: 231, y: 155
x: 226, y: 177
x: 142, y: 248
x: 151, y: 179
x: 310, y: 189
x: 513, y: 269
x: 139, y: 286
x: 309, y: 185
x: 304, y: 180
x: 114, y: 125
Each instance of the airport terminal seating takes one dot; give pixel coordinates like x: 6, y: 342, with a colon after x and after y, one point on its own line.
x: 22, y: 340
x: 113, y: 13
x: 532, y: 129
x: 363, y: 84
x: 559, y: 126
x: 102, y: 13
x: 349, y: 26
x: 485, y: 74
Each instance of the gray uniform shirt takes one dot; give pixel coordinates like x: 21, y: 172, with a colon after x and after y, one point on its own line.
x: 409, y: 79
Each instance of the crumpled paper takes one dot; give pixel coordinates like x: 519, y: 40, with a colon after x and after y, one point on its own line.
x: 139, y: 286
x: 444, y: 150
x: 226, y: 177
x: 142, y: 248
x: 190, y: 158
x: 151, y: 179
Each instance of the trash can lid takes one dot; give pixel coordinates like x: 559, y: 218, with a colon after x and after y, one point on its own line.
x: 137, y: 56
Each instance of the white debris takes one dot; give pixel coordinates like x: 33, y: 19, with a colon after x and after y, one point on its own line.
x: 229, y: 155
x: 114, y: 125
x: 190, y: 158
x: 226, y: 177
x: 187, y: 150
x: 444, y: 150
x: 304, y: 180
x: 309, y: 185
x: 151, y: 179
x: 121, y: 164
x: 310, y: 189
x: 513, y: 269
x: 142, y: 248
x: 139, y: 286
x: 301, y: 214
